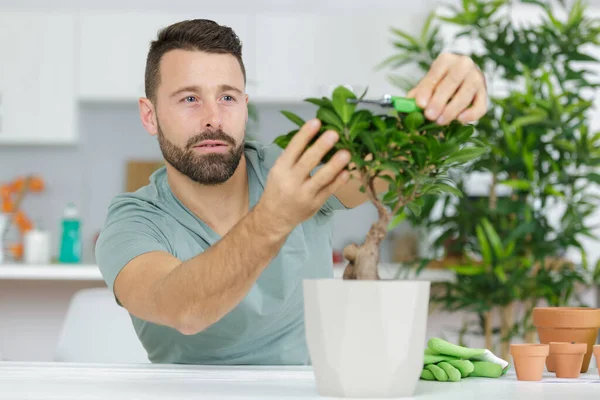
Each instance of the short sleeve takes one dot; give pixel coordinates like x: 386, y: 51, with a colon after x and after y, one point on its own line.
x: 270, y: 154
x: 130, y: 230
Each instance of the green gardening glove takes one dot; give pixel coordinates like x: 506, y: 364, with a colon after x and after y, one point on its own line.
x: 444, y: 361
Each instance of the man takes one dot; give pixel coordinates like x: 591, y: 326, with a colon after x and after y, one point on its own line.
x: 209, y: 258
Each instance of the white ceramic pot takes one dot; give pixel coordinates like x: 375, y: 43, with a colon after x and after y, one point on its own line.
x: 366, y: 338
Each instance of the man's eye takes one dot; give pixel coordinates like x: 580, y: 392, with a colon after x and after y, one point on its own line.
x: 190, y: 99
x: 228, y: 98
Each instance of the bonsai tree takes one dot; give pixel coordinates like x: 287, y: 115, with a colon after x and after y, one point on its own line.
x: 516, y: 248
x: 411, y: 155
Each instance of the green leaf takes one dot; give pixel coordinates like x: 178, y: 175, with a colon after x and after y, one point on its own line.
x: 367, y: 139
x: 509, y: 137
x: 324, y: 102
x: 379, y: 123
x: 344, y: 109
x: 575, y: 56
x: 414, y: 208
x: 331, y: 118
x: 486, y: 252
x: 528, y: 160
x: 397, y: 220
x: 396, y: 60
x: 414, y: 120
x: 283, y: 140
x: 390, y: 167
x: 427, y: 25
x: 529, y: 120
x: 564, y: 145
x: 493, y: 237
x: 293, y: 117
x: 445, y: 188
x: 517, y: 184
x: 406, y: 36
x: 550, y: 190
x: 358, y: 128
x: 389, y: 197
x: 509, y: 249
x: 467, y: 270
x: 499, y: 272
x: 465, y: 155
x: 594, y: 177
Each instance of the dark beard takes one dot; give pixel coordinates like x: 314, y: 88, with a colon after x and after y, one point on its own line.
x: 207, y: 169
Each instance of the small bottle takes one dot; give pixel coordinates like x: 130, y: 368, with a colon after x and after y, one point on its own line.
x: 70, y: 243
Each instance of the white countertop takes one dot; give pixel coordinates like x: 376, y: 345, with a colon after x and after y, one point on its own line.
x: 90, y: 272
x: 24, y: 380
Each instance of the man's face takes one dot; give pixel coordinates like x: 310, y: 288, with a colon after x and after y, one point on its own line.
x: 201, y: 114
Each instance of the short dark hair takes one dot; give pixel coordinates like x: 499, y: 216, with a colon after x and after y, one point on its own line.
x: 197, y: 34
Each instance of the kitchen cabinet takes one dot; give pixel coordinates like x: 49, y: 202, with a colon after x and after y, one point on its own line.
x: 308, y: 55
x: 113, y: 47
x: 288, y: 57
x: 37, y: 78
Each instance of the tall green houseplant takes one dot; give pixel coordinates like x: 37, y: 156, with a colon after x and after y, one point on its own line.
x: 515, y: 248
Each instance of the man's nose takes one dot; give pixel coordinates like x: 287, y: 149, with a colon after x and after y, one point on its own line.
x: 212, y: 115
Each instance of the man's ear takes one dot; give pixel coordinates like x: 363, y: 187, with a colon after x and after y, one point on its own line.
x: 148, y: 115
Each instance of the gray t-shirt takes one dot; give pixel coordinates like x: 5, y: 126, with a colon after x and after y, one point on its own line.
x: 267, y: 327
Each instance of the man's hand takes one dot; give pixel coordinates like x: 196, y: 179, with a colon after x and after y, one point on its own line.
x: 452, y: 84
x: 291, y: 195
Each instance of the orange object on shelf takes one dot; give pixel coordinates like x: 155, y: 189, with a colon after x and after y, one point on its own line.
x: 17, y: 251
x: 22, y: 221
x: 7, y: 203
x: 11, y: 197
x: 36, y: 184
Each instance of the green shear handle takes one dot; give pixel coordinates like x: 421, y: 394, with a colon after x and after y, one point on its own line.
x: 399, y: 103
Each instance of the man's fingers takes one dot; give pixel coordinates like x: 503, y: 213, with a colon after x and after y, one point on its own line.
x: 301, y: 139
x: 461, y: 100
x: 478, y: 109
x: 425, y: 88
x: 313, y: 156
x: 329, y: 171
x: 325, y: 193
x: 447, y: 88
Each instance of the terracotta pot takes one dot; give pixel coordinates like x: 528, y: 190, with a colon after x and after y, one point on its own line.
x: 597, y: 356
x: 529, y: 360
x: 567, y: 324
x: 568, y: 358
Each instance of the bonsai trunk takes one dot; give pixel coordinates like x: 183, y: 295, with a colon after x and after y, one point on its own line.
x: 364, y: 259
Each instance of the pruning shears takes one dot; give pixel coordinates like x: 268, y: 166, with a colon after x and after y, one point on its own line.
x: 400, y: 104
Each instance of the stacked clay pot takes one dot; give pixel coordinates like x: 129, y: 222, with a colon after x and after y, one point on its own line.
x: 570, y: 325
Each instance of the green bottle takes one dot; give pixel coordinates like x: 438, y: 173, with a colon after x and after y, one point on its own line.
x: 70, y: 243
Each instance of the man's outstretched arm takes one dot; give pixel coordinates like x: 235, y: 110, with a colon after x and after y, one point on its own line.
x: 192, y: 295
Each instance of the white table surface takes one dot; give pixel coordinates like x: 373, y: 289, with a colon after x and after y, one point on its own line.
x: 26, y: 380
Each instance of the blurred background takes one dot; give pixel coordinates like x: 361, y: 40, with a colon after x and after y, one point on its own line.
x: 71, y: 139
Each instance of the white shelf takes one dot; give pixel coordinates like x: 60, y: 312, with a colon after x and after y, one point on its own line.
x: 55, y: 272
x: 90, y: 272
